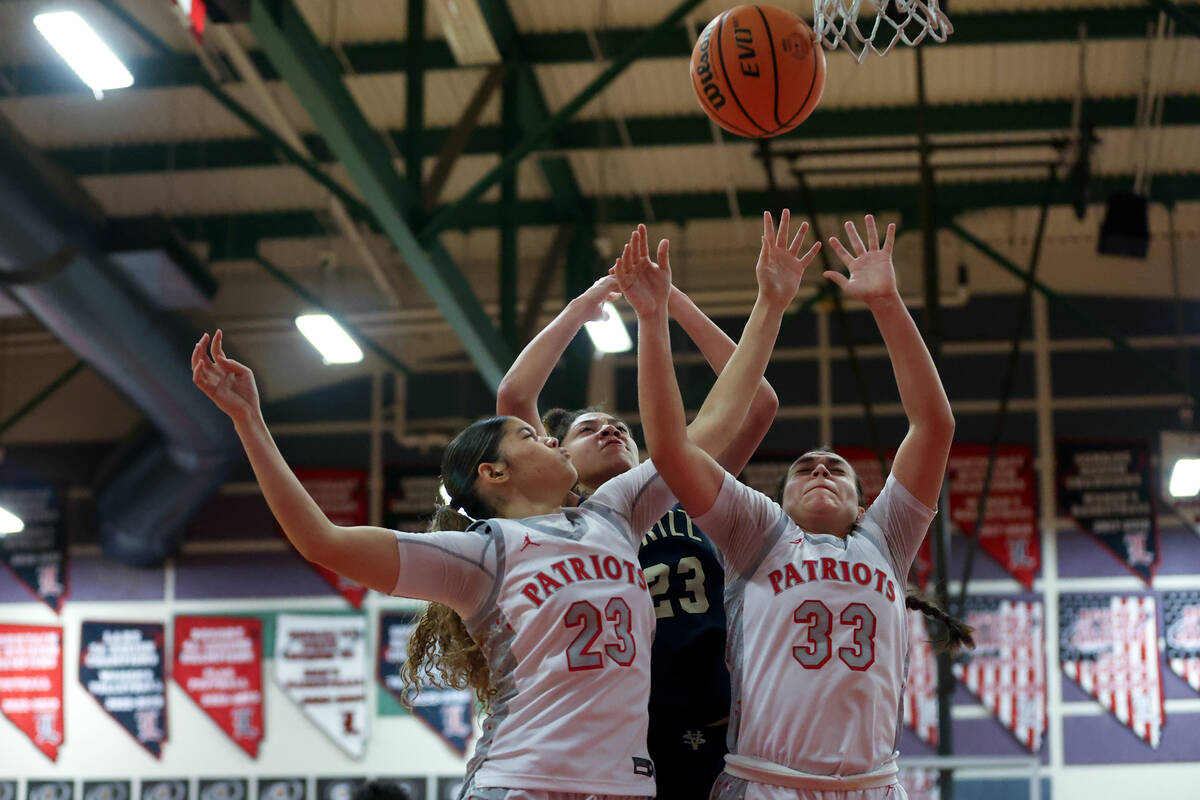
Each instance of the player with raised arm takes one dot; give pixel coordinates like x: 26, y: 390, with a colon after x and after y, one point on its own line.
x: 689, y: 691
x: 815, y: 584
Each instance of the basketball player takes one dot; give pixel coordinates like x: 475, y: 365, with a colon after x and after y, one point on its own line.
x: 552, y: 597
x: 689, y: 688
x: 814, y: 585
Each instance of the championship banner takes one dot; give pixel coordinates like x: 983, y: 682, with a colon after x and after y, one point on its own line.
x: 1181, y: 615
x: 321, y: 664
x: 1107, y: 489
x: 31, y: 683
x: 1109, y: 646
x: 218, y: 663
x: 1010, y: 530
x: 920, y: 693
x: 223, y: 789
x: 342, y: 495
x: 449, y: 713
x: 49, y: 790
x: 121, y: 665
x: 409, y: 498
x: 282, y: 789
x: 341, y: 788
x: 106, y: 790
x: 1007, y: 668
x: 165, y: 789
x: 37, y: 555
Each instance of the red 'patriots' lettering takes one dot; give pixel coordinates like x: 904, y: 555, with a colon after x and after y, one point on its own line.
x: 831, y: 569
x: 576, y: 569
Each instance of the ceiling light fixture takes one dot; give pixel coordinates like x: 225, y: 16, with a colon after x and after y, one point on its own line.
x: 609, y: 335
x: 330, y: 339
x: 10, y: 522
x: 84, y: 51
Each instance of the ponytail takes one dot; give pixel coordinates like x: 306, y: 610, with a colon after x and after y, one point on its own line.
x: 440, y: 650
x: 955, y: 633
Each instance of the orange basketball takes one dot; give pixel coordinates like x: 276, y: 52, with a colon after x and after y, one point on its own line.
x: 758, y: 70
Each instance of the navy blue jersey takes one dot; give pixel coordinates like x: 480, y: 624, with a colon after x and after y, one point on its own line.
x: 689, y: 679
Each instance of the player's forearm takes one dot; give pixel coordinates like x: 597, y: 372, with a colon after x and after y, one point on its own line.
x: 921, y: 392
x: 301, y: 519
x: 518, y: 391
x: 664, y: 423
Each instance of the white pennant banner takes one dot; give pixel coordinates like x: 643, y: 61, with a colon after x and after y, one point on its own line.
x: 321, y: 664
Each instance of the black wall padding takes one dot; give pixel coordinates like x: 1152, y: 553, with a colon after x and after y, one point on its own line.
x: 51, y: 236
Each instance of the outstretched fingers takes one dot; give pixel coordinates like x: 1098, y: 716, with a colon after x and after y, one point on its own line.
x: 855, y: 240
x: 794, y: 248
x: 872, y: 233
x: 810, y: 255
x: 664, y: 255
x: 768, y: 227
x: 889, y: 238
x: 840, y: 251
x: 785, y: 220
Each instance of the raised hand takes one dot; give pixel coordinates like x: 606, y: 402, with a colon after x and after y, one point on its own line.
x: 872, y: 276
x: 604, y: 290
x: 227, y: 383
x: 780, y: 265
x: 645, y: 284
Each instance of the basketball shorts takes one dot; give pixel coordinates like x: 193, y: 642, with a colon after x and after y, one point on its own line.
x: 728, y: 787
x: 686, y: 760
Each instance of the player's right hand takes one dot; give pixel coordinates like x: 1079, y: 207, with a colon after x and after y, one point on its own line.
x: 227, y: 383
x: 645, y: 284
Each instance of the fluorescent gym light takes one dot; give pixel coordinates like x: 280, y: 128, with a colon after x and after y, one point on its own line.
x: 84, y: 51
x: 10, y: 522
x: 1185, y: 478
x: 334, y: 344
x: 609, y: 334
x: 467, y: 32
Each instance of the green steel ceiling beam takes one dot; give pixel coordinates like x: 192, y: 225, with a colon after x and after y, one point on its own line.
x: 645, y: 131
x: 531, y: 108
x: 235, y: 236
x: 1057, y: 25
x: 294, y: 51
x: 546, y: 129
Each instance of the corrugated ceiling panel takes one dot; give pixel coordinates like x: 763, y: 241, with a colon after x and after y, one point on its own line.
x: 447, y: 93
x: 152, y: 115
x: 550, y: 16
x: 20, y: 42
x: 208, y: 191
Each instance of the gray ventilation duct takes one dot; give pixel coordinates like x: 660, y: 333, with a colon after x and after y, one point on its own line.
x: 54, y: 260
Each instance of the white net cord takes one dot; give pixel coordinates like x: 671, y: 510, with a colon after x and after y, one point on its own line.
x: 884, y: 23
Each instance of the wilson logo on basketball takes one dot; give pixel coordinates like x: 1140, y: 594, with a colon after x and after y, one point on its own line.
x: 758, y: 71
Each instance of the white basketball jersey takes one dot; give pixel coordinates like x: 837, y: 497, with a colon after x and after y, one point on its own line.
x: 566, y: 625
x: 818, y: 643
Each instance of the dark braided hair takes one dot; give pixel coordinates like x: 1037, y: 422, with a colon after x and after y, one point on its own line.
x: 954, y: 633
x: 558, y: 421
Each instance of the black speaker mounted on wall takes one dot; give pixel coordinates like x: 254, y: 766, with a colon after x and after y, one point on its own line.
x: 1126, y: 227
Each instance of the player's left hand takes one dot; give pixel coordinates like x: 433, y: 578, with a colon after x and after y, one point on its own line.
x: 780, y: 265
x: 645, y: 283
x: 872, y: 275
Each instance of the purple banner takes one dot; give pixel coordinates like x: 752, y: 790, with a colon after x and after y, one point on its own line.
x: 37, y: 555
x: 1107, y: 488
x: 121, y: 665
x: 448, y: 712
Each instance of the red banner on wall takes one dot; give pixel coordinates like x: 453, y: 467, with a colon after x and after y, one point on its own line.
x: 342, y: 495
x: 1010, y: 529
x: 31, y: 683
x: 218, y: 663
x: 920, y: 692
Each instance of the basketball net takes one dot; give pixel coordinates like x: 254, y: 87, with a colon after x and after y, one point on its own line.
x: 883, y: 23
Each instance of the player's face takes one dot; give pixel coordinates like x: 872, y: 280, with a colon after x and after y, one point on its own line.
x: 600, y: 446
x: 821, y: 494
x: 534, y: 460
